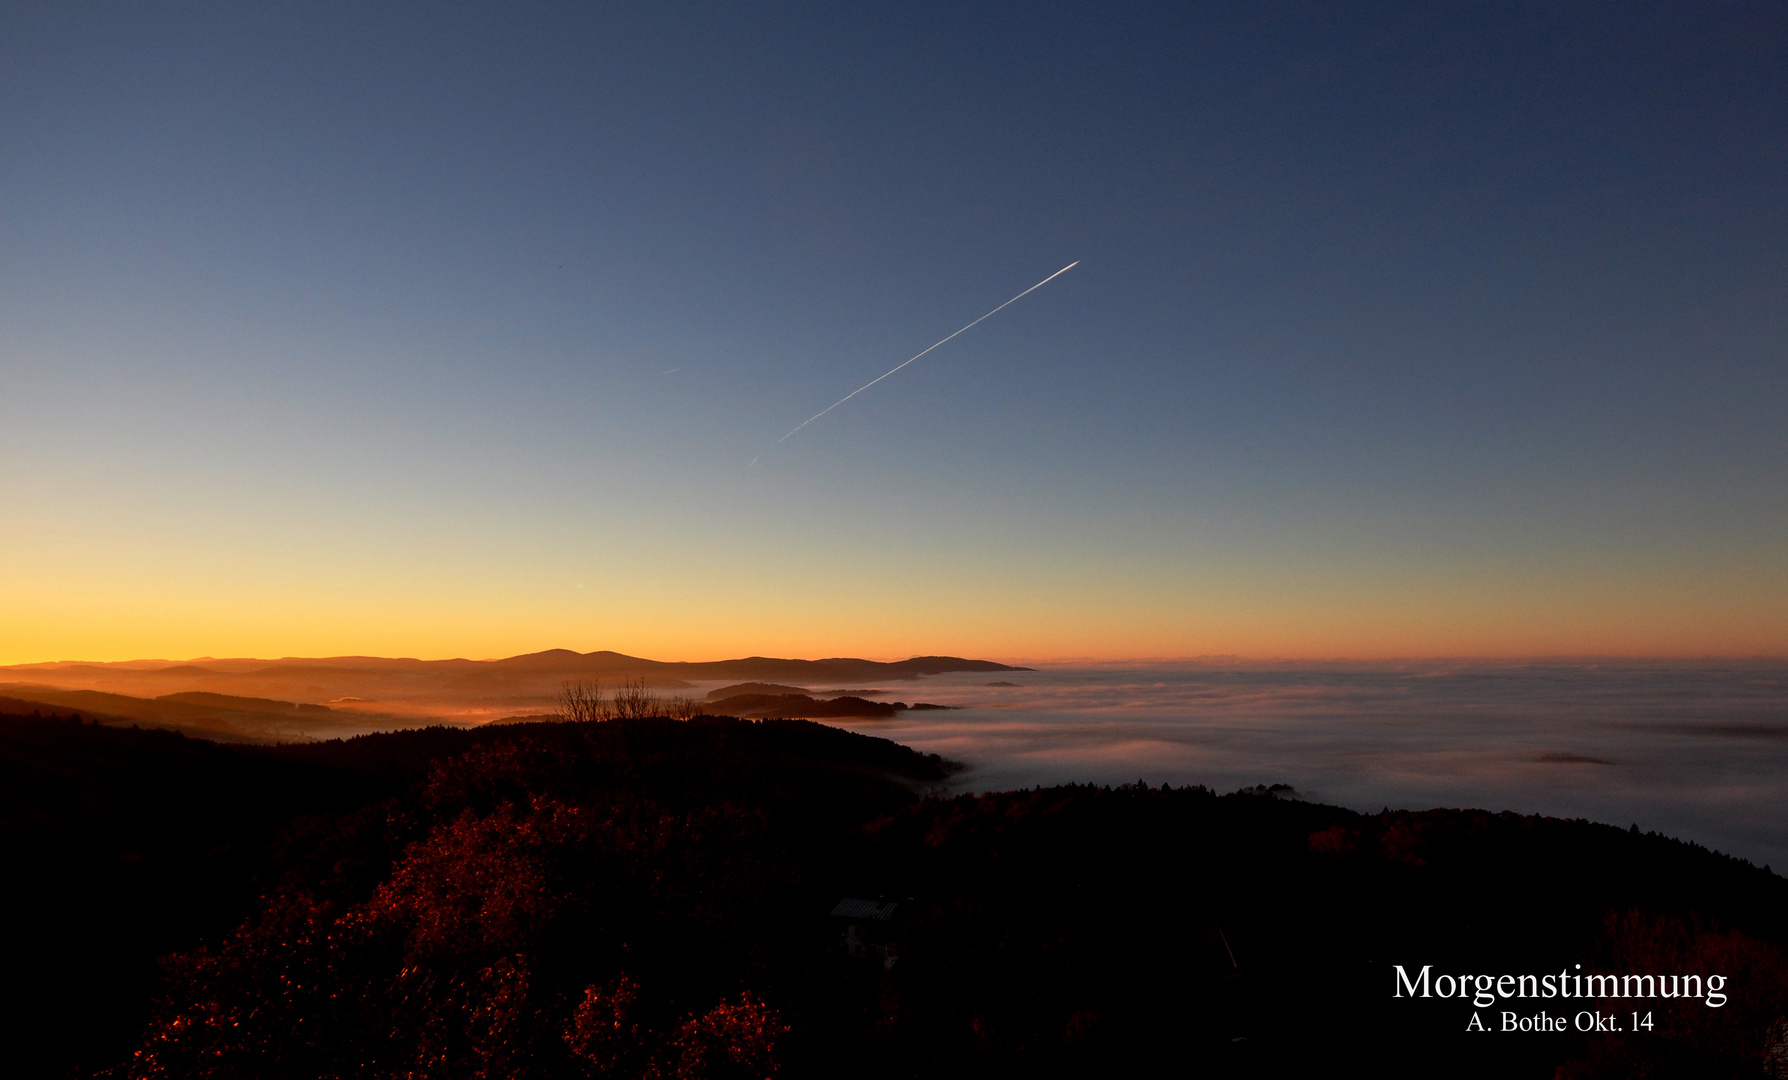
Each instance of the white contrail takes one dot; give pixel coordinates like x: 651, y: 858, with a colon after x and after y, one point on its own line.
x: 934, y: 345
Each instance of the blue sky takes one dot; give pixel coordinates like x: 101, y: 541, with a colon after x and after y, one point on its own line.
x: 1400, y: 329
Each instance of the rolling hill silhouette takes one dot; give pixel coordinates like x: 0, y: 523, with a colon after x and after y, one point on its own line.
x: 298, y: 698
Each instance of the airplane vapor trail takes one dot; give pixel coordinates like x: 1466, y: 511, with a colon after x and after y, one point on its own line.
x: 922, y: 352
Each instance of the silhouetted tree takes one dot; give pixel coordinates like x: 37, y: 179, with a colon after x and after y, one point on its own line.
x: 633, y: 701
x: 582, y: 702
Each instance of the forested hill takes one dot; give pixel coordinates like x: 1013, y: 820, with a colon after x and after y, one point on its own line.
x: 636, y: 898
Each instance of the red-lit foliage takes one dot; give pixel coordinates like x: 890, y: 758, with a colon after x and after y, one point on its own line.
x: 1689, y: 1038
x: 731, y: 1040
x: 458, y: 964
x: 603, y: 1034
x: 509, y: 923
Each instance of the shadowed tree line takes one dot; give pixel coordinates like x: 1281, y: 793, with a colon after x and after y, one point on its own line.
x: 649, y: 897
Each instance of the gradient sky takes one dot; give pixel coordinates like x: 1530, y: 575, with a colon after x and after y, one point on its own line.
x: 434, y: 330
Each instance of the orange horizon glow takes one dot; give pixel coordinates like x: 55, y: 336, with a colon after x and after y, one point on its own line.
x: 818, y: 651
x: 104, y: 599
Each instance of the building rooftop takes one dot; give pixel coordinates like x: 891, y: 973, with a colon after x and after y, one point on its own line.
x: 865, y: 910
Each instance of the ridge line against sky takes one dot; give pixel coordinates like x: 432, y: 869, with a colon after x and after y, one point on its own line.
x: 1402, y: 330
x: 1039, y: 662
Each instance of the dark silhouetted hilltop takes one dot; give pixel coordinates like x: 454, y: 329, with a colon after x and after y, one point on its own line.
x: 773, y: 689
x: 802, y: 705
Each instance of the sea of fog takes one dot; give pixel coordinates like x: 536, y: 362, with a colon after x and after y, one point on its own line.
x: 1697, y: 751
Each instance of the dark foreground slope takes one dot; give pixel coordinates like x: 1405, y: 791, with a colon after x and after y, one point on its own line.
x: 119, y: 844
x: 122, y: 845
x: 651, y: 898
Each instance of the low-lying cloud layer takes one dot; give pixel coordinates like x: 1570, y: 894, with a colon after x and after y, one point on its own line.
x: 1698, y: 751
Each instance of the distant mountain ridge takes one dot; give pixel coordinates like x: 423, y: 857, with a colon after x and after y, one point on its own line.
x: 557, y: 661
x: 752, y: 668
x: 296, y: 698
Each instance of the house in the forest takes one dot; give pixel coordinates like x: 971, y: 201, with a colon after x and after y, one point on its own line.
x: 870, y: 928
